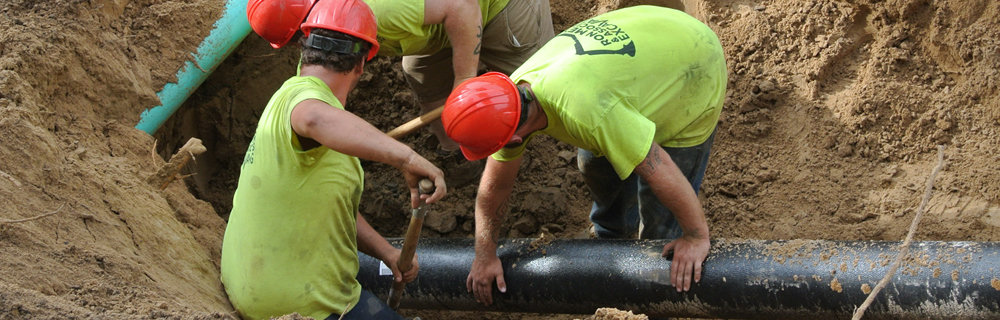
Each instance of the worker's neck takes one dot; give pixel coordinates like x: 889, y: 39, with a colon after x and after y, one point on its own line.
x: 340, y: 83
x: 537, y: 120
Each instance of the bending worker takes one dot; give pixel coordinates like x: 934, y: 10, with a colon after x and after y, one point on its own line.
x: 294, y: 233
x: 501, y: 34
x: 639, y: 92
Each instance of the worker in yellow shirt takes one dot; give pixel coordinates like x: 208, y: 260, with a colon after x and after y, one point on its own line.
x: 293, y: 237
x: 639, y: 91
x: 445, y: 42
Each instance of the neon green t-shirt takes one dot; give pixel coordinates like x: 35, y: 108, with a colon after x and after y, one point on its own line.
x: 616, y: 83
x: 291, y: 242
x: 401, y: 29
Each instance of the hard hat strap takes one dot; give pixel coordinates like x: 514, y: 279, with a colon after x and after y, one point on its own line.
x: 327, y: 44
x: 526, y: 99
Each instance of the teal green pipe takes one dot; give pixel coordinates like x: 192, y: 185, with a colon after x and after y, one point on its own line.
x: 227, y: 33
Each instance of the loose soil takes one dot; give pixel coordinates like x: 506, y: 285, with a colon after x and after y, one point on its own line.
x: 831, y: 126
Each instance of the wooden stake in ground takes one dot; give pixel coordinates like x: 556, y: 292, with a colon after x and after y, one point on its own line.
x: 905, y: 247
x: 171, y: 170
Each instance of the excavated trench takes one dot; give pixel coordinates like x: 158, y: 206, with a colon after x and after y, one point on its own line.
x: 225, y: 109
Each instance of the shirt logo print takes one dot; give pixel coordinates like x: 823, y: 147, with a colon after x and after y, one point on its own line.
x: 602, y: 32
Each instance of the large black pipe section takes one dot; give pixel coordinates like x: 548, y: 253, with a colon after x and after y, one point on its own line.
x: 798, y: 279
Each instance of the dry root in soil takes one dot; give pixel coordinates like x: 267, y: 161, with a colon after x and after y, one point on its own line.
x: 171, y: 170
x: 904, y: 248
x: 9, y: 177
x: 32, y: 218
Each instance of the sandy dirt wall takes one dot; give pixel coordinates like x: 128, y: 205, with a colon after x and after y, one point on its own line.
x: 835, y: 111
x: 74, y: 76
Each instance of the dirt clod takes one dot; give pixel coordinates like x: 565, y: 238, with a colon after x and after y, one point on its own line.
x: 615, y: 314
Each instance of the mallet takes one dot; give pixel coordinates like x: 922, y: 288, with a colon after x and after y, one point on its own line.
x: 410, y: 242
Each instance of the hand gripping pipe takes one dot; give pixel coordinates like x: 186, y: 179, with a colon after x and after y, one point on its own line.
x: 798, y: 279
x: 226, y: 35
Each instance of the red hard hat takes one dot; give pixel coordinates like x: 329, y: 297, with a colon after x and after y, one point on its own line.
x: 481, y: 114
x: 352, y: 17
x: 277, y: 20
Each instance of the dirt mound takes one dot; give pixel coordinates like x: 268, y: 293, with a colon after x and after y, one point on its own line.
x: 73, y: 78
x: 832, y: 119
x: 834, y: 113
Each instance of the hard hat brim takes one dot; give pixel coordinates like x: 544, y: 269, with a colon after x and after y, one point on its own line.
x: 472, y: 155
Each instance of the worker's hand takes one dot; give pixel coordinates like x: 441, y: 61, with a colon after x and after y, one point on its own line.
x: 416, y: 168
x: 485, y: 268
x: 397, y: 276
x: 689, y: 254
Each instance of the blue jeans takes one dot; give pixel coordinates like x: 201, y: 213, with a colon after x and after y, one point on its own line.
x: 369, y: 307
x: 622, y: 207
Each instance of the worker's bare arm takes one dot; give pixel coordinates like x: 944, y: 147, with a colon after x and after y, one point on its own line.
x: 675, y: 192
x: 463, y: 21
x: 492, y: 199
x: 347, y: 133
x: 373, y: 244
x: 491, y: 205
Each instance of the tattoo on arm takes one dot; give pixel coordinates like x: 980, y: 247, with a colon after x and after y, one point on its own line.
x: 653, y: 160
x: 498, y: 218
x: 479, y: 44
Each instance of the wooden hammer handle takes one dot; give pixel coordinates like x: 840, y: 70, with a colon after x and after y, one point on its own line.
x: 417, y: 123
x: 409, y: 245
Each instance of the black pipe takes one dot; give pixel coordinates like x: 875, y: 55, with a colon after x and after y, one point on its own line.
x: 798, y: 279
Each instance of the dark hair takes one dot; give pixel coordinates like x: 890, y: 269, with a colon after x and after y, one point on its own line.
x: 339, y: 62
